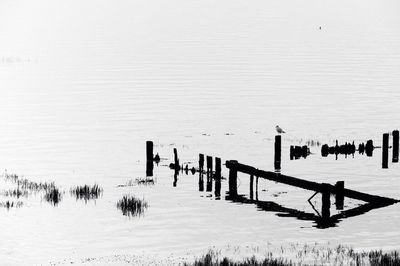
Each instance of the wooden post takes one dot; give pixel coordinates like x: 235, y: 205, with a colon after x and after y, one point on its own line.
x: 176, y: 160
x: 149, y: 150
x: 251, y: 186
x: 326, y: 201
x: 201, y: 162
x: 201, y: 181
x: 257, y: 188
x: 339, y: 195
x: 385, y: 150
x: 291, y: 152
x: 277, y: 162
x: 149, y: 168
x: 395, y: 150
x: 209, y: 164
x: 233, y: 180
x: 218, y: 168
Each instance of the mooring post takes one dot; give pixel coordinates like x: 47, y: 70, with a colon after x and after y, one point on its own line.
x: 201, y: 162
x: 218, y: 168
x: 385, y: 150
x: 209, y: 164
x: 233, y: 179
x: 256, y: 188
x: 395, y: 146
x: 251, y: 186
x: 277, y: 162
x: 149, y: 168
x: 326, y: 201
x: 339, y: 195
x: 291, y: 152
x: 201, y: 181
x: 176, y: 160
x: 149, y: 150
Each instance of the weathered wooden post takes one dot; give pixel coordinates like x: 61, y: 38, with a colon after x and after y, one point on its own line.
x: 201, y: 162
x: 277, y: 161
x: 251, y: 186
x: 149, y: 150
x: 201, y: 181
x: 291, y: 152
x: 149, y: 168
x: 233, y: 179
x: 256, y: 188
x: 209, y: 164
x: 326, y: 201
x: 395, y: 150
x: 176, y: 160
x: 385, y: 150
x: 339, y: 195
x: 218, y: 168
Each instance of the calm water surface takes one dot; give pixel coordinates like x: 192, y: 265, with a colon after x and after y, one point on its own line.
x: 84, y: 85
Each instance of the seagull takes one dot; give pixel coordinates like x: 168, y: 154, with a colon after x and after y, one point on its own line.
x: 279, y: 130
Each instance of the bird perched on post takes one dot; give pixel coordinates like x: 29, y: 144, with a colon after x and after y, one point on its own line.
x: 279, y: 130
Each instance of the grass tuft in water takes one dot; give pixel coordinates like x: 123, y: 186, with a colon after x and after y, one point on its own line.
x: 87, y: 192
x: 53, y: 195
x: 140, y: 181
x: 11, y: 204
x: 131, y: 206
x: 17, y: 193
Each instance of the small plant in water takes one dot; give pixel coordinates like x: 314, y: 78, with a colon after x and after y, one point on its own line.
x: 131, y: 206
x: 140, y: 181
x: 11, y: 204
x: 86, y: 192
x: 53, y: 195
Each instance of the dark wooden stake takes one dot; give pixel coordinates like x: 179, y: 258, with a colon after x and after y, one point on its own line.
x: 149, y: 150
x: 339, y: 195
x: 326, y: 201
x: 201, y: 162
x: 385, y: 150
x: 209, y: 164
x: 218, y: 168
x: 233, y: 180
x: 395, y: 146
x: 251, y: 186
x: 277, y: 162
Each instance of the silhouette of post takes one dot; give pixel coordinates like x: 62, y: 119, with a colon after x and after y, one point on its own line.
x: 209, y: 164
x: 149, y: 168
x: 176, y: 160
x: 291, y: 152
x: 339, y: 195
x: 326, y: 201
x: 201, y: 162
x: 277, y: 161
x: 395, y: 150
x: 385, y: 150
x: 149, y: 150
x: 233, y: 180
x: 217, y: 168
x: 251, y: 186
x: 201, y: 181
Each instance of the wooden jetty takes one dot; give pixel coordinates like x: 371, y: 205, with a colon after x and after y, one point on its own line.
x: 324, y: 188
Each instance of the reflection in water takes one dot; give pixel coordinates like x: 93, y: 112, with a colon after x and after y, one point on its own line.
x: 322, y: 220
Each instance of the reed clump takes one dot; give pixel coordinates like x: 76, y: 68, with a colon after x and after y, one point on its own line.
x: 11, y: 204
x: 17, y: 193
x: 87, y: 192
x: 140, y: 181
x: 132, y: 206
x: 53, y: 196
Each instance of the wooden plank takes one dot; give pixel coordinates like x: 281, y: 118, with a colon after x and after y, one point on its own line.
x: 309, y: 185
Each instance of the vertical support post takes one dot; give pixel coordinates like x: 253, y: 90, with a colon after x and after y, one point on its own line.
x: 149, y: 150
x: 339, y: 195
x: 326, y: 201
x: 251, y: 186
x: 176, y: 160
x: 233, y: 180
x: 369, y: 148
x: 209, y: 164
x: 257, y: 188
x: 385, y: 150
x: 277, y: 162
x: 201, y: 162
x: 218, y: 168
x: 395, y: 150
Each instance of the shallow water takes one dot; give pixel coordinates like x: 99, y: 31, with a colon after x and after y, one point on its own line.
x: 84, y: 85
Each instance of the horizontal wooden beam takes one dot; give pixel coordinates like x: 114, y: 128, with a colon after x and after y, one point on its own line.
x: 305, y: 184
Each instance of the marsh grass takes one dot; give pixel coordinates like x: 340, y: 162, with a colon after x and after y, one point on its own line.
x: 140, y: 181
x: 131, y: 206
x: 53, y: 196
x: 17, y: 193
x: 11, y: 204
x: 307, y: 255
x: 87, y: 192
